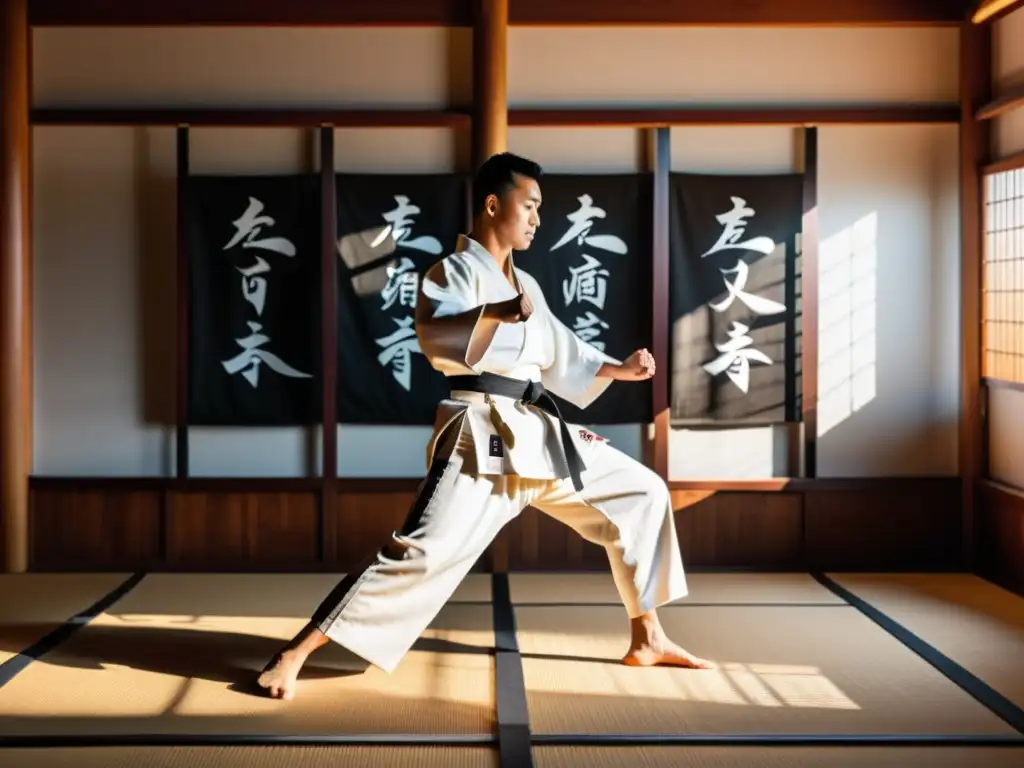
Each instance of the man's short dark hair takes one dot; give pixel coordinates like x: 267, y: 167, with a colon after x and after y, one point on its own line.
x: 497, y: 176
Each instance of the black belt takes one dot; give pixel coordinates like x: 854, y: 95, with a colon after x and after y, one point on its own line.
x: 532, y: 393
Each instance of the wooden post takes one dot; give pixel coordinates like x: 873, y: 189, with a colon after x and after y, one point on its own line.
x: 661, y: 338
x: 809, y: 279
x: 490, y: 136
x: 15, y: 357
x: 328, y: 349
x: 975, y: 90
x: 181, y: 436
x: 490, y: 59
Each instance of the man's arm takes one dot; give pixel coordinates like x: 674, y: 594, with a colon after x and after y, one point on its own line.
x: 463, y: 336
x: 508, y: 311
x: 515, y: 310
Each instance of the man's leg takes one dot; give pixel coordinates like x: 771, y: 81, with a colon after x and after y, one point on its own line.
x: 381, y: 609
x: 627, y: 509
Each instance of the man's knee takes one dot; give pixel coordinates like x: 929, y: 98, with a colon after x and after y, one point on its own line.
x: 653, y: 488
x: 423, y: 554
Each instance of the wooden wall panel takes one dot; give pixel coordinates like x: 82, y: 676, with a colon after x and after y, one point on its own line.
x: 535, y: 541
x: 1000, y: 536
x: 269, y: 525
x: 94, y: 529
x: 218, y: 530
x: 885, y: 526
x: 740, y: 529
x: 367, y: 513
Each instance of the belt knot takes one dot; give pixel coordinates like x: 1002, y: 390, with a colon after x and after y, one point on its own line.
x: 533, y: 393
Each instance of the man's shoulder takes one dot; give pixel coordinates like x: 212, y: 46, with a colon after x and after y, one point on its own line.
x: 458, y: 260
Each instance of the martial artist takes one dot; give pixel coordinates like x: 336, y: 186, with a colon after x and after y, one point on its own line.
x: 500, y: 444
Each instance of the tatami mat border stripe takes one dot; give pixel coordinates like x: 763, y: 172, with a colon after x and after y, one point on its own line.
x: 16, y: 664
x: 247, y: 740
x: 773, y: 740
x: 87, y: 740
x: 981, y: 691
x: 513, y: 712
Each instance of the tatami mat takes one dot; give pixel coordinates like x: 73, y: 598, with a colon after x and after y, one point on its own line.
x: 177, y: 653
x: 774, y: 757
x: 33, y: 605
x: 782, y: 670
x: 253, y: 757
x: 599, y: 588
x: 169, y: 659
x: 972, y: 621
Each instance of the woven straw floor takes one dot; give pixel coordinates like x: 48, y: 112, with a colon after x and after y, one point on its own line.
x: 172, y: 659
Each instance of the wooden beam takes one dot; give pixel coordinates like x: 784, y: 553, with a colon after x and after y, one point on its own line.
x: 459, y: 13
x: 805, y: 115
x: 975, y: 88
x: 15, y: 263
x: 259, y: 117
x: 1009, y: 100
x: 988, y: 11
x: 104, y: 13
x: 1010, y: 163
x: 781, y: 114
x: 739, y: 12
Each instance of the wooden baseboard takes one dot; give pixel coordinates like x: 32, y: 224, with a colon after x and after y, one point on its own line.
x: 1000, y: 535
x: 241, y: 524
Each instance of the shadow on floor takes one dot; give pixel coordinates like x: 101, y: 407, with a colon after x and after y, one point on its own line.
x: 217, y: 656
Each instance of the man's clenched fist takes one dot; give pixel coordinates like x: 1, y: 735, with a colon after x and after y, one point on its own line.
x: 516, y: 310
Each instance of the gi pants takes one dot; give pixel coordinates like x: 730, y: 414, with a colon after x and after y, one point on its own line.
x: 380, y: 610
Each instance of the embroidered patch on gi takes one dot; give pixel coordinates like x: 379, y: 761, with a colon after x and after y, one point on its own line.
x: 497, y: 448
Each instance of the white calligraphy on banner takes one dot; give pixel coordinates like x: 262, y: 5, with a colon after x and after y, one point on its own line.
x: 399, y: 227
x: 588, y: 282
x: 398, y: 349
x: 402, y: 286
x: 254, y: 288
x: 737, y: 353
x: 401, y: 289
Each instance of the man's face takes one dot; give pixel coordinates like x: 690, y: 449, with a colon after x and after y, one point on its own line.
x: 516, y: 216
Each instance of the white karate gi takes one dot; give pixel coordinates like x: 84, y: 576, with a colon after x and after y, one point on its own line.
x: 380, y: 610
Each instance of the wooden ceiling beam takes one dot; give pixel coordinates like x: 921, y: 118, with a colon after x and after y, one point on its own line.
x: 988, y: 11
x: 457, y: 13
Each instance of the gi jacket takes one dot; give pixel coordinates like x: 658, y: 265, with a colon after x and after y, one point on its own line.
x: 540, y: 349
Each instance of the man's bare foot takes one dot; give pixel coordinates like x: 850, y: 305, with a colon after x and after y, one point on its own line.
x: 649, y: 646
x: 664, y: 654
x: 281, y: 676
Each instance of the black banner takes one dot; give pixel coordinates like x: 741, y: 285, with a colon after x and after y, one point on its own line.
x: 733, y: 302
x: 391, y: 229
x: 592, y: 258
x: 254, y: 300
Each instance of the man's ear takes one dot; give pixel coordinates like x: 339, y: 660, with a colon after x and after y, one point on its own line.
x: 491, y: 205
